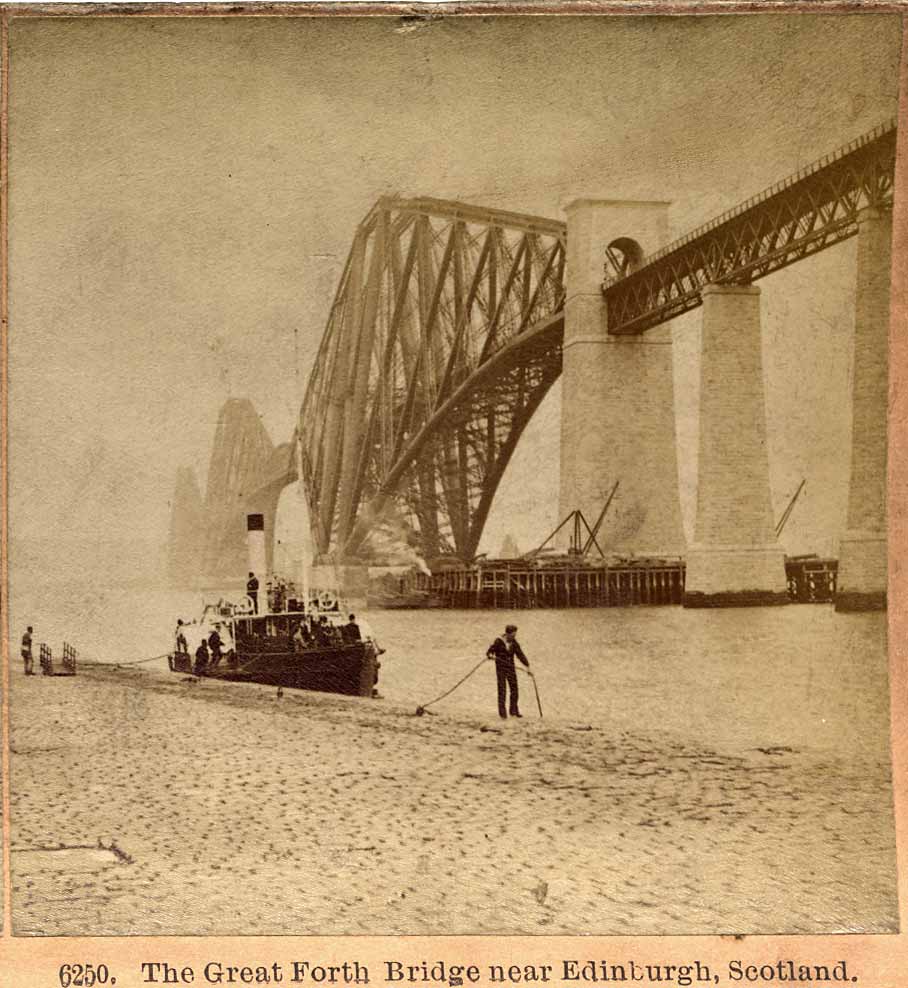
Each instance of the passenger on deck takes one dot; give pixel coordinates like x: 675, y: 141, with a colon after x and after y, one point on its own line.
x: 201, y: 658
x: 350, y: 632
x: 180, y: 637
x: 214, y: 646
x: 323, y: 633
x: 277, y: 597
x: 252, y: 591
x: 301, y: 637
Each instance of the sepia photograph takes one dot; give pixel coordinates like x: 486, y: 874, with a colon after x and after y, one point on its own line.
x: 447, y: 474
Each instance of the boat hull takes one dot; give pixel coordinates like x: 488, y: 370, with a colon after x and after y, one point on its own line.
x: 351, y: 670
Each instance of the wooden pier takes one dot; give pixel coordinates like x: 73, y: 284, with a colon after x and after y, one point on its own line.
x: 518, y: 583
x: 515, y: 584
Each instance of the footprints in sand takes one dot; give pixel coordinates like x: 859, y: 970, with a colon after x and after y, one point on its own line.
x: 333, y: 816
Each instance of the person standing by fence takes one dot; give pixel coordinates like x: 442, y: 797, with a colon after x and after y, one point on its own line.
x: 27, y: 657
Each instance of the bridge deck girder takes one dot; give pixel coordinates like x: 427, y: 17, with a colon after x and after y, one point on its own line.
x: 800, y: 216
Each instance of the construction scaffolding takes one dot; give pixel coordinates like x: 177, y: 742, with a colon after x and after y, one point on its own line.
x: 529, y: 583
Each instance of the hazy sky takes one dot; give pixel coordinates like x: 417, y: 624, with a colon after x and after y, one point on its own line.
x: 183, y: 193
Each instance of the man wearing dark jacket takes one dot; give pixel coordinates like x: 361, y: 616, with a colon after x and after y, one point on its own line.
x: 350, y: 632
x: 252, y: 592
x: 503, y: 650
x: 201, y: 658
x: 214, y: 646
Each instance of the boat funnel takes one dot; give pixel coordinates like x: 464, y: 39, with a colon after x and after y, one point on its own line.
x: 255, y: 543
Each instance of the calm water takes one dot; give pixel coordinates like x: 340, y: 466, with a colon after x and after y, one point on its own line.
x: 799, y: 675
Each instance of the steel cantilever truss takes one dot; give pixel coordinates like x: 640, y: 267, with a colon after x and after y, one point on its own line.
x: 444, y: 337
x: 804, y: 214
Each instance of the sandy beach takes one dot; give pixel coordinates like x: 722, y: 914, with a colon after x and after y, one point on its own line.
x: 153, y: 804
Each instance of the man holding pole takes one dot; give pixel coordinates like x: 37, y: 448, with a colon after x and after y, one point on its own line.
x: 503, y: 650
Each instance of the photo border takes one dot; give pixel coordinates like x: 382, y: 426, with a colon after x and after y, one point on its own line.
x: 876, y: 961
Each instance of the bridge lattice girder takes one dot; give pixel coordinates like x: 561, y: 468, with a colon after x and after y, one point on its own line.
x: 445, y: 335
x: 804, y: 214
x: 443, y: 338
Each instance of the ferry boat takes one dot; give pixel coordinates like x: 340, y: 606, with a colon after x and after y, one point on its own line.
x: 297, y: 639
x: 308, y: 648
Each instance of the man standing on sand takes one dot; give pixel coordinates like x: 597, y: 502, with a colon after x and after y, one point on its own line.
x: 27, y: 652
x: 503, y: 650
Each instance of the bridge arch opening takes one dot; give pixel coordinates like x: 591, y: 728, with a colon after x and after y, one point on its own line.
x: 623, y: 256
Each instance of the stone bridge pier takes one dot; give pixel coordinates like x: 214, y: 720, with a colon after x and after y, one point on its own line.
x: 618, y: 409
x: 862, y: 547
x: 735, y: 558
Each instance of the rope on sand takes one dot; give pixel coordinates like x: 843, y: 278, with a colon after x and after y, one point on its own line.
x: 422, y: 709
x: 138, y: 662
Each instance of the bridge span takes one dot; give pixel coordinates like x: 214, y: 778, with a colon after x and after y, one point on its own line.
x: 451, y: 322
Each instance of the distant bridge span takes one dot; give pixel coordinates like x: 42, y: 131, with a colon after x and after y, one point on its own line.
x: 446, y: 329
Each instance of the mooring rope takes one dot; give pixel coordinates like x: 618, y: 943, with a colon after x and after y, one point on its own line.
x: 420, y: 710
x: 138, y: 662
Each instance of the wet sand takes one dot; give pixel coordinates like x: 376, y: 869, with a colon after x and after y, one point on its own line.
x: 147, y: 803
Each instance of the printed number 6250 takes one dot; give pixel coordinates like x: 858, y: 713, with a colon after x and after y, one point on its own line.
x: 85, y: 975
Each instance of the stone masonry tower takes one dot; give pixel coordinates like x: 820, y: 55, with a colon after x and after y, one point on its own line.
x: 735, y: 558
x: 862, y: 548
x: 618, y: 411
